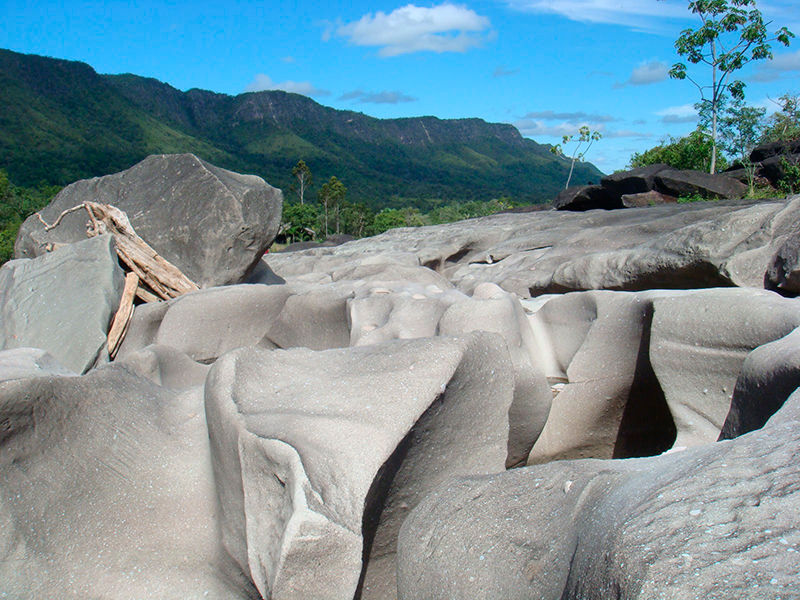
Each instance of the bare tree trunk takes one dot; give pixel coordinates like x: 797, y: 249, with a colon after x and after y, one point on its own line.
x: 714, y: 106
x: 572, y: 166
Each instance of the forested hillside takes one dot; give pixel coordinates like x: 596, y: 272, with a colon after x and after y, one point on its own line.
x: 61, y: 121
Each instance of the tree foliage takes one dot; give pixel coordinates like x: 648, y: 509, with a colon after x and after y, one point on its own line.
x: 693, y: 151
x: 299, y: 222
x: 784, y: 125
x: 740, y: 128
x: 16, y: 205
x: 732, y: 34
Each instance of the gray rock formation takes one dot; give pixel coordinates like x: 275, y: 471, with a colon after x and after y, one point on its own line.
x: 24, y: 363
x: 651, y: 198
x: 319, y: 456
x: 698, y: 345
x: 62, y: 302
x: 696, y: 245
x: 715, y: 521
x: 277, y: 439
x: 213, y: 224
x: 770, y: 374
x: 706, y: 185
x: 108, y: 492
x: 205, y: 324
x: 586, y: 197
x: 634, y: 181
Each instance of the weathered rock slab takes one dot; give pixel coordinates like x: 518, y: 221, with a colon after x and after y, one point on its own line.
x: 683, y: 246
x: 213, y: 224
x: 706, y: 185
x: 716, y: 521
x: 651, y: 198
x: 319, y: 456
x: 634, y: 181
x: 586, y: 197
x: 62, y: 302
x: 108, y: 492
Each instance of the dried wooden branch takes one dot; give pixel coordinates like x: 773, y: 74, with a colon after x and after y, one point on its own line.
x: 122, y: 318
x: 55, y: 224
x: 163, y: 278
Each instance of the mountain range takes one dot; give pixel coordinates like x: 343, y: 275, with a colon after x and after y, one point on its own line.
x: 61, y: 121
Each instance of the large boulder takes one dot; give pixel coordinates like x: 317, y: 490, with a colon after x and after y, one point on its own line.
x: 213, y: 224
x: 319, y: 456
x: 62, y: 302
x: 635, y: 181
x: 765, y: 151
x: 586, y: 197
x: 716, y: 522
x: 706, y: 185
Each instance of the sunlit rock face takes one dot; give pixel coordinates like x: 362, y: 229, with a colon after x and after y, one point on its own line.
x: 213, y: 224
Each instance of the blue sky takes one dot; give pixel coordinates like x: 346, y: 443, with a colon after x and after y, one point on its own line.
x: 546, y: 66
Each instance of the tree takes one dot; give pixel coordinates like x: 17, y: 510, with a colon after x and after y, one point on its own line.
x: 388, y: 218
x: 299, y: 222
x: 355, y: 218
x: 729, y: 38
x: 692, y: 152
x: 331, y: 195
x: 740, y: 129
x: 302, y: 173
x: 784, y: 125
x: 586, y: 137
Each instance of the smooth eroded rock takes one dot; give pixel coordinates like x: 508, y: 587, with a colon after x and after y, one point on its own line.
x: 213, y: 224
x: 319, y: 456
x: 62, y: 302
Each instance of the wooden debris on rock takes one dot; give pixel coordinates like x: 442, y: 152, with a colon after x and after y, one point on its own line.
x: 151, y: 277
x: 158, y: 278
x: 122, y: 318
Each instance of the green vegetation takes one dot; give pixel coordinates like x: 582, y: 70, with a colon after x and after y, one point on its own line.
x: 693, y: 151
x: 784, y: 125
x: 307, y: 222
x: 16, y: 205
x: 80, y: 124
x: 741, y: 129
x: 730, y: 37
x: 790, y: 182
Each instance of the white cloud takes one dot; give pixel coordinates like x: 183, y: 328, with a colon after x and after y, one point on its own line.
x: 570, y: 117
x: 638, y: 14
x: 442, y: 28
x: 778, y: 67
x: 384, y: 97
x: 501, y: 71
x: 538, y: 128
x: 685, y: 113
x: 646, y: 73
x: 263, y: 82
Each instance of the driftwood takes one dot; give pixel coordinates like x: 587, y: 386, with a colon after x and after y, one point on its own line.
x: 158, y: 278
x: 122, y: 318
